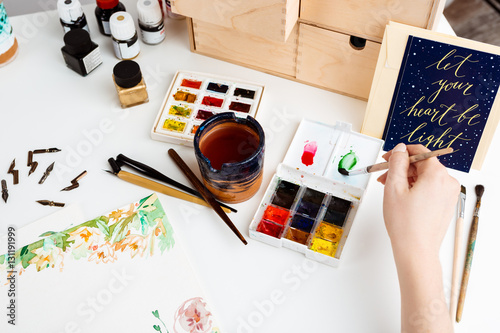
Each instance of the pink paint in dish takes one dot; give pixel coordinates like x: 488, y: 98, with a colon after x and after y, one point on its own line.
x: 309, y: 152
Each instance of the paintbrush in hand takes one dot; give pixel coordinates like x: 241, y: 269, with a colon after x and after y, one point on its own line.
x: 207, y: 195
x: 459, y: 228
x: 385, y: 165
x: 470, y: 252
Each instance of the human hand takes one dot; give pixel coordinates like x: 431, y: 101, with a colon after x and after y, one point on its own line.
x: 418, y: 201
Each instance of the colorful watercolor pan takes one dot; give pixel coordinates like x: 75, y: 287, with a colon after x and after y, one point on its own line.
x: 194, y: 97
x: 308, y: 207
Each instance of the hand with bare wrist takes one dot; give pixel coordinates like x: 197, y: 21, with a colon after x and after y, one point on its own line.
x: 419, y: 201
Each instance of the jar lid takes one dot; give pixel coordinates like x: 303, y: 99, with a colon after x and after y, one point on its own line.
x: 127, y: 73
x: 77, y: 41
x: 107, y: 4
x: 149, y: 11
x: 69, y: 10
x: 122, y: 25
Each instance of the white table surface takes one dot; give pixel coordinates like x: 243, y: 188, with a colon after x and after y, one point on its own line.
x: 253, y: 288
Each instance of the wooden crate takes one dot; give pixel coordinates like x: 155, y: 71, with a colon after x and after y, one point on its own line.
x: 327, y: 59
x: 311, y: 55
x: 273, y: 20
x: 368, y: 18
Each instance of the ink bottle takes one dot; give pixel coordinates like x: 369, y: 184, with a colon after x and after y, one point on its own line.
x: 8, y: 42
x: 130, y: 84
x: 150, y: 20
x: 124, y: 35
x: 80, y: 53
x: 103, y: 12
x: 71, y: 15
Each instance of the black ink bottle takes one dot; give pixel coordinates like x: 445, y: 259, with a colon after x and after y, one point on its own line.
x: 80, y: 53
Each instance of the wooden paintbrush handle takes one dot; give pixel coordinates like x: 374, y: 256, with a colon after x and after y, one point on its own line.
x: 430, y: 154
x: 157, y: 187
x: 206, y: 194
x: 467, y: 267
x: 413, y: 159
x: 455, y: 282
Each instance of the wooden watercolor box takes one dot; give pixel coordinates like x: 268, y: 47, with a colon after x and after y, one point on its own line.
x: 309, y: 207
x: 194, y: 97
x: 318, y: 51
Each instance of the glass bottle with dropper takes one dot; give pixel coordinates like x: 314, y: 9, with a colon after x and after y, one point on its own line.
x: 71, y: 15
x: 151, y: 24
x: 103, y: 12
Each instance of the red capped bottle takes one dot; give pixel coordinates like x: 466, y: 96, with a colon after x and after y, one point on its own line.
x: 103, y: 12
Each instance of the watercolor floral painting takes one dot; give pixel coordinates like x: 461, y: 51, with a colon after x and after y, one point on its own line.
x: 192, y: 316
x: 116, y: 267
x: 139, y: 229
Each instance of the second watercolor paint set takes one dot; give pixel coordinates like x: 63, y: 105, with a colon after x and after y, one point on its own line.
x: 194, y: 97
x: 309, y: 206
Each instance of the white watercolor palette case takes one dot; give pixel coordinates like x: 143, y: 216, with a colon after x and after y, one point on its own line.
x: 194, y: 97
x: 309, y: 206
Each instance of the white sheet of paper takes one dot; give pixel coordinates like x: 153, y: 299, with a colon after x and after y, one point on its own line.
x: 110, y: 276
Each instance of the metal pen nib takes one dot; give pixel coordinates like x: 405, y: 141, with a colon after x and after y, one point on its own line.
x: 74, y: 182
x: 5, y: 193
x: 47, y: 173
x: 50, y: 203
x: 48, y: 150
x: 14, y: 172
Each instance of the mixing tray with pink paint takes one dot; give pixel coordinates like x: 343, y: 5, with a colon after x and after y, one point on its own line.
x: 309, y: 206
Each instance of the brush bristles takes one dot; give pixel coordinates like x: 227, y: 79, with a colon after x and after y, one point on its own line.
x: 463, y: 189
x: 479, y: 190
x: 343, y: 171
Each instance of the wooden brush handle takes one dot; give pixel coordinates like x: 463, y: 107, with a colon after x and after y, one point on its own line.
x: 157, y: 187
x: 205, y: 193
x: 455, y: 282
x: 413, y: 159
x: 467, y: 267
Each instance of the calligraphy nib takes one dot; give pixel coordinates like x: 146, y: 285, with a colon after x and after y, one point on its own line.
x: 5, y: 193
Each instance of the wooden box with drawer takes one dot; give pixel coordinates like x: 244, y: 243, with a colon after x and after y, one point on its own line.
x: 273, y: 20
x: 368, y: 18
x: 311, y: 55
x: 317, y: 50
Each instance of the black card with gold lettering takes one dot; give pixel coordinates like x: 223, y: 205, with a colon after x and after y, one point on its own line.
x: 443, y: 97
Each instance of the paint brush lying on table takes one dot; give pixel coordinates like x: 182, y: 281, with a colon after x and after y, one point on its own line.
x: 152, y: 185
x: 385, y: 165
x: 207, y: 195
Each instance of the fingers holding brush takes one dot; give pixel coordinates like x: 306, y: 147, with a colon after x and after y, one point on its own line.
x: 415, y: 168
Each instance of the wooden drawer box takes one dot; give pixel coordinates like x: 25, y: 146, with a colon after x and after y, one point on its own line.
x: 269, y: 19
x: 245, y: 49
x: 327, y: 59
x: 311, y: 55
x: 368, y: 18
